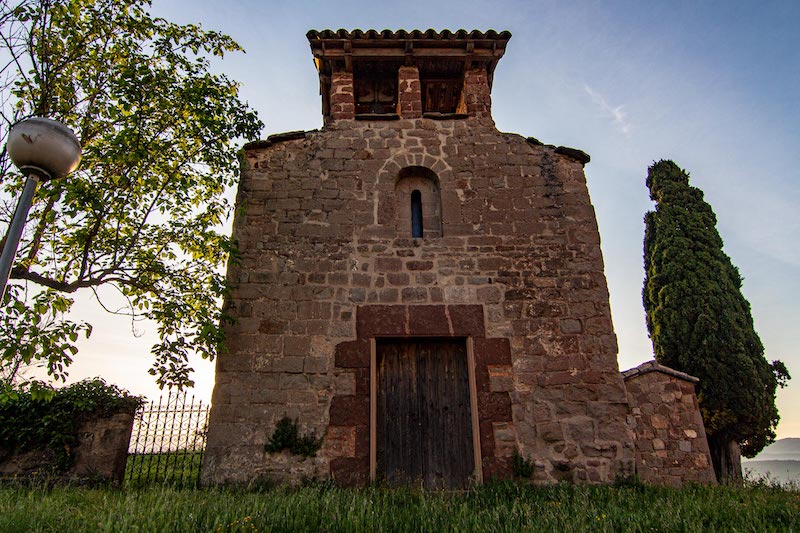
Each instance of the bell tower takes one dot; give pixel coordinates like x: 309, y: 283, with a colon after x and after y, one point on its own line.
x: 392, y: 75
x: 423, y: 293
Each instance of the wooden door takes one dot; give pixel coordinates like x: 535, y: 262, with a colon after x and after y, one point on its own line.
x: 424, y: 425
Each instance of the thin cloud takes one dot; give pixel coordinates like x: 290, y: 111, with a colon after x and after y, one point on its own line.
x: 618, y: 115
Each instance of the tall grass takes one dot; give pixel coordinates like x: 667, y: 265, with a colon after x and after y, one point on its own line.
x: 179, y: 468
x: 495, y: 507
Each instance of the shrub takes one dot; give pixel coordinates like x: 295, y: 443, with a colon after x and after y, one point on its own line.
x: 287, y: 437
x: 30, y: 421
x: 521, y: 467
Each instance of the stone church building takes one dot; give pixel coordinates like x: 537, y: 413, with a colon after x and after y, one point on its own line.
x: 425, y: 294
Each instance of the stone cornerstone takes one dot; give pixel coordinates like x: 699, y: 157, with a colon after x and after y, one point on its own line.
x: 409, y: 216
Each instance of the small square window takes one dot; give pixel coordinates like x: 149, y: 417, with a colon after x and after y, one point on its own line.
x: 375, y: 92
x: 441, y: 95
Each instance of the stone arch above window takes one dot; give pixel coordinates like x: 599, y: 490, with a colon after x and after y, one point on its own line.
x: 418, y: 203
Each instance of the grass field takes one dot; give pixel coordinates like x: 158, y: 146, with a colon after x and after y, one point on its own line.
x: 181, y: 468
x: 495, y: 507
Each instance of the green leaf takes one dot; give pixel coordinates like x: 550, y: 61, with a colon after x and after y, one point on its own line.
x: 159, y: 133
x: 698, y: 319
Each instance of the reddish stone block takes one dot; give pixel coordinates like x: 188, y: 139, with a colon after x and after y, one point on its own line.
x: 562, y: 363
x: 427, y: 320
x: 501, y: 378
x: 381, y: 320
x: 388, y: 295
x: 481, y: 377
x: 388, y: 264
x: 492, y: 351
x: 341, y: 98
x: 494, y: 406
x: 362, y: 441
x: 349, y: 411
x: 414, y: 294
x: 362, y: 381
x: 340, y: 441
x: 419, y: 265
x: 352, y: 354
x: 343, y: 111
x: 486, y: 428
x: 560, y: 378
x: 570, y: 325
x: 496, y: 468
x: 520, y: 294
x: 272, y: 326
x: 467, y: 320
x: 399, y: 279
x: 350, y: 471
x: 296, y: 345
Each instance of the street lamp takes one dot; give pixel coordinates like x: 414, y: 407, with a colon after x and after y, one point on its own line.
x: 42, y: 149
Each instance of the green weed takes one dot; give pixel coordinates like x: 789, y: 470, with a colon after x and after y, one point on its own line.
x: 495, y: 507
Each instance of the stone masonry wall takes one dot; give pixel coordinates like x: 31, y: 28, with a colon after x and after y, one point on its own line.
x: 478, y: 95
x: 671, y: 445
x: 341, y: 98
x: 409, y: 101
x: 102, y: 452
x: 320, y: 250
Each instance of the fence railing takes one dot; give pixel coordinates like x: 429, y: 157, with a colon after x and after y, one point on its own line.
x: 168, y: 441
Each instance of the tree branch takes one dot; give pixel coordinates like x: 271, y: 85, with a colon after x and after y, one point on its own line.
x: 36, y: 242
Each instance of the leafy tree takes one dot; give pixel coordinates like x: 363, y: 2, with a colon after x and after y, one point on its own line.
x: 37, y: 332
x: 701, y: 324
x: 142, y: 213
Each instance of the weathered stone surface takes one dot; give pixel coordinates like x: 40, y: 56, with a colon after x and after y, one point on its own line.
x: 340, y: 441
x: 349, y: 471
x: 102, y: 452
x: 354, y: 354
x: 288, y: 136
x: 578, y: 155
x: 325, y: 268
x: 430, y: 320
x: 671, y: 445
x: 103, y: 447
x: 501, y: 379
x: 349, y: 410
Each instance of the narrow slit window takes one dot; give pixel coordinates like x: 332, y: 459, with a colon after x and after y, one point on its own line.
x: 416, y: 214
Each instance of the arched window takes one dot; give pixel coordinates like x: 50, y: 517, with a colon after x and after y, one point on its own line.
x: 418, y: 203
x: 416, y: 214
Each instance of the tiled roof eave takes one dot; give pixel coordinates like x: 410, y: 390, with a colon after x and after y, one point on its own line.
x: 430, y: 34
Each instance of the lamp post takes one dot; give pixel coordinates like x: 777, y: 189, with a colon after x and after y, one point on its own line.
x: 42, y: 149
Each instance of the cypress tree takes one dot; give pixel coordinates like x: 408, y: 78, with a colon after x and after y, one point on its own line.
x: 700, y: 323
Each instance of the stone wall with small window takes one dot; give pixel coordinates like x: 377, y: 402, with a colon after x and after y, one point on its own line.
x: 324, y: 229
x: 409, y: 221
x: 417, y: 206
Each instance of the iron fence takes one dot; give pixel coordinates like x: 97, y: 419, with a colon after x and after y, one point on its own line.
x: 168, y: 441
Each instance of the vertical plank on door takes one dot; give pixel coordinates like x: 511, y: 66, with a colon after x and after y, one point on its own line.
x: 424, y: 424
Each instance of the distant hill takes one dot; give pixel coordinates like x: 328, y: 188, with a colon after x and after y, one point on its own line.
x: 780, y: 461
x: 780, y: 450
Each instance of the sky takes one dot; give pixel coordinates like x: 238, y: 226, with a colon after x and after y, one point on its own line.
x: 710, y: 85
